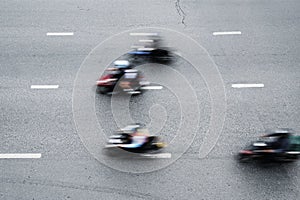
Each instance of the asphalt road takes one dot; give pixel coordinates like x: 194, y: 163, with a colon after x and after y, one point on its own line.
x: 41, y: 121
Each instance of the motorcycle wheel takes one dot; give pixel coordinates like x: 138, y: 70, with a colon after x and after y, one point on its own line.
x: 290, y: 158
x: 243, y: 158
x: 103, y: 90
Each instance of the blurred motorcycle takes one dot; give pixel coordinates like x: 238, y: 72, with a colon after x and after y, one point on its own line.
x: 121, y: 79
x: 135, y: 139
x: 151, y: 50
x: 151, y: 55
x: 279, y: 145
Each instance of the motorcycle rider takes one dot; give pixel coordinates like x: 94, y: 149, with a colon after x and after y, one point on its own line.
x: 281, y: 144
x: 130, y: 80
x: 120, y: 66
x: 137, y: 136
x: 123, y: 74
x: 277, y: 145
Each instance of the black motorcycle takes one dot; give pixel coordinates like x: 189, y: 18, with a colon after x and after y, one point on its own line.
x: 151, y: 55
x: 265, y: 149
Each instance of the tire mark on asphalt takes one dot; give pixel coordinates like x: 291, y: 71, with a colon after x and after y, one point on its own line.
x: 61, y: 184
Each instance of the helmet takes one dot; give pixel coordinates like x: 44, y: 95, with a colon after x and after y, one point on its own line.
x: 121, y: 64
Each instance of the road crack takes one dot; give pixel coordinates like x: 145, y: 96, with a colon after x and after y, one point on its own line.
x: 180, y: 12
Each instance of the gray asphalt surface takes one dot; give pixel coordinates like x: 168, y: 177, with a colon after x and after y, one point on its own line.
x: 41, y: 121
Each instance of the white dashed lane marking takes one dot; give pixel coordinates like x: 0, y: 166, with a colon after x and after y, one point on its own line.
x: 152, y: 87
x: 136, y: 47
x: 158, y: 155
x: 143, y: 34
x: 228, y: 33
x: 146, y: 41
x: 60, y: 34
x: 259, y: 85
x: 44, y: 86
x: 145, y: 49
x: 20, y: 155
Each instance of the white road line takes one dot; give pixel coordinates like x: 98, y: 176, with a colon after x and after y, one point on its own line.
x: 145, y: 49
x: 111, y: 146
x: 259, y: 85
x: 44, y: 86
x: 152, y: 87
x: 158, y: 155
x: 146, y: 41
x: 143, y: 34
x: 136, y: 47
x: 20, y: 155
x: 228, y: 33
x: 60, y: 34
x: 144, y: 83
